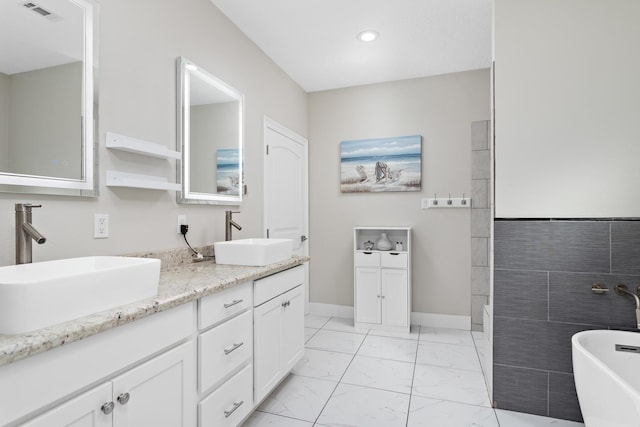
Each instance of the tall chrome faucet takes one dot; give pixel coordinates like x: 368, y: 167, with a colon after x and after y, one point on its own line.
x: 228, y: 223
x: 25, y: 232
x: 623, y: 290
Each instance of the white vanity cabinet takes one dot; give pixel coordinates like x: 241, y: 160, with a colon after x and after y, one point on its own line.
x: 151, y: 394
x: 278, y: 328
x: 142, y: 373
x: 382, y: 279
x: 225, y: 356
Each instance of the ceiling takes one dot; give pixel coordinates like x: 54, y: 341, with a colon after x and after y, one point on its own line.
x: 30, y: 41
x: 314, y: 41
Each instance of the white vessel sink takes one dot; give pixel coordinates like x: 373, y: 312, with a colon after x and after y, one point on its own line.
x: 605, y: 368
x: 255, y: 252
x: 34, y: 296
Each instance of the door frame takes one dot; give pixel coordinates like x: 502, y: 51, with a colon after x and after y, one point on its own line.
x: 272, y: 125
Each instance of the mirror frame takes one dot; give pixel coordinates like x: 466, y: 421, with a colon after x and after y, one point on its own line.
x: 87, y: 185
x: 186, y: 195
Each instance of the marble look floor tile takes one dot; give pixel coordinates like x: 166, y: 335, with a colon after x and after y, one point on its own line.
x: 326, y: 365
x: 450, y: 384
x: 308, y: 333
x: 389, y: 348
x: 518, y: 419
x: 448, y: 356
x: 431, y: 412
x: 446, y: 336
x: 413, y: 334
x: 341, y: 342
x: 344, y: 325
x: 264, y: 419
x: 315, y: 321
x: 299, y: 397
x: 352, y: 405
x: 384, y: 374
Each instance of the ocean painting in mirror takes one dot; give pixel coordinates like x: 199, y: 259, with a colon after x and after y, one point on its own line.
x: 228, y: 171
x: 382, y: 164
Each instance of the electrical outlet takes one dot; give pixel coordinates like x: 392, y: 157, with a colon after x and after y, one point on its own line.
x: 182, y: 220
x: 100, y: 226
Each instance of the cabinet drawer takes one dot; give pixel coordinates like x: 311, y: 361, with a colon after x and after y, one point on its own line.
x: 277, y: 284
x: 230, y: 403
x: 394, y: 260
x: 222, y: 305
x: 224, y: 348
x: 367, y: 259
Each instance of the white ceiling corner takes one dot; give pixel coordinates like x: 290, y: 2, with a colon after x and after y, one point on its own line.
x: 314, y: 41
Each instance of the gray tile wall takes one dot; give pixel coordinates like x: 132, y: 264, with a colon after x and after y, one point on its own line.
x: 543, y: 273
x: 480, y: 220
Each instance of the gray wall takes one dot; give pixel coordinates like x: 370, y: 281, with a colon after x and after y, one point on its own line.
x: 440, y: 109
x: 566, y: 108
x: 543, y: 275
x: 44, y: 121
x: 139, y: 43
x: 213, y: 126
x: 4, y: 121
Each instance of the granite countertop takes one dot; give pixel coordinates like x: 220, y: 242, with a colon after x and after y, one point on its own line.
x: 178, y: 285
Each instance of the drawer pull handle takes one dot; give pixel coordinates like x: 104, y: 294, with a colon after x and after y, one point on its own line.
x: 286, y: 304
x: 232, y: 349
x: 236, y: 405
x: 394, y: 253
x: 234, y: 302
x: 367, y: 253
x: 107, y: 408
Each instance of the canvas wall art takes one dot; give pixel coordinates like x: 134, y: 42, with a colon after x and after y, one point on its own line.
x: 382, y: 164
x: 227, y: 171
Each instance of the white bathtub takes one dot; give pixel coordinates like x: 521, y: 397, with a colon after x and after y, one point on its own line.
x: 607, y: 380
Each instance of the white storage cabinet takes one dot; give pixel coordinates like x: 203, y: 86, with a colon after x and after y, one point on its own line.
x: 278, y: 328
x: 382, y: 280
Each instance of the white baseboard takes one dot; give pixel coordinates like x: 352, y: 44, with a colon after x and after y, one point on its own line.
x: 434, y: 320
x: 423, y: 319
x: 322, y: 309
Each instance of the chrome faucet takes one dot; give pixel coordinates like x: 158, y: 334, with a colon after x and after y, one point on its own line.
x: 228, y: 223
x: 623, y: 290
x: 25, y: 232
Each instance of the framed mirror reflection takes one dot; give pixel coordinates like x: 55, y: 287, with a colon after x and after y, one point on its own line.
x: 210, y: 137
x: 47, y: 96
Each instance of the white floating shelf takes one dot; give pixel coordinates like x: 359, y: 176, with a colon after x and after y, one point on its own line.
x: 446, y: 202
x: 139, y: 146
x: 152, y: 182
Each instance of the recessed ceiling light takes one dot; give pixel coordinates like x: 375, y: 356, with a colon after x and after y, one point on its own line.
x: 368, y: 35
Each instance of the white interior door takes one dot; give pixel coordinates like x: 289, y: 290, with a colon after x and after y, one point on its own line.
x: 286, y: 190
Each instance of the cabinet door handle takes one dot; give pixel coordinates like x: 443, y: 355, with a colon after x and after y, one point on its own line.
x: 233, y: 348
x: 107, y: 408
x: 378, y: 296
x: 286, y: 304
x: 394, y: 253
x: 367, y: 253
x: 382, y: 297
x: 124, y: 398
x: 232, y: 303
x: 236, y: 405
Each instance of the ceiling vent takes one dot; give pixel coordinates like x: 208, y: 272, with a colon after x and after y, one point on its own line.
x: 41, y: 11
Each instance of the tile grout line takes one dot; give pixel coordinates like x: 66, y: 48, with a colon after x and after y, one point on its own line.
x: 413, y: 375
x: 343, y: 374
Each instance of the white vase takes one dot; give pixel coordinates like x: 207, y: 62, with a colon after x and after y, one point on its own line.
x: 383, y: 243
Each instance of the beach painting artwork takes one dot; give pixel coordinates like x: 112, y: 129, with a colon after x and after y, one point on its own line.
x: 383, y: 164
x: 228, y: 171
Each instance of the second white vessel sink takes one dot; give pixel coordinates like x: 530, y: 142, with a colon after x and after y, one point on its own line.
x: 254, y: 252
x: 34, y: 296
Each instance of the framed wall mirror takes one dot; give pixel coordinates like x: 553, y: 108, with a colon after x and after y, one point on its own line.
x: 47, y: 96
x: 210, y: 137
